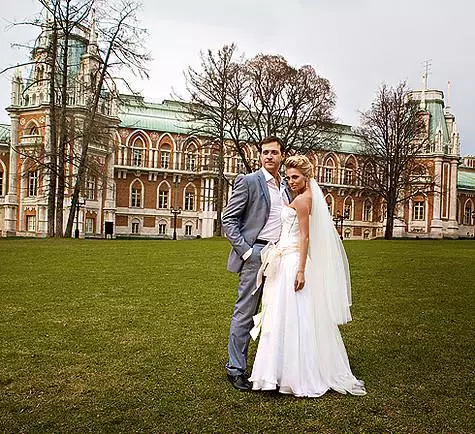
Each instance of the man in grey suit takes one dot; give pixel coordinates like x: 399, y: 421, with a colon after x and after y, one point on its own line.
x: 250, y: 221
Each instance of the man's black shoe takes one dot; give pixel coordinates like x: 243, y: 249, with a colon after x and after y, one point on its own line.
x: 240, y: 382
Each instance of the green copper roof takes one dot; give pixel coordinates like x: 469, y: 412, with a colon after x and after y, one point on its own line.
x: 171, y: 117
x: 4, y: 133
x: 437, y: 120
x: 166, y: 117
x: 466, y: 179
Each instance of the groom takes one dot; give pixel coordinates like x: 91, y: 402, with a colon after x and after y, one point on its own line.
x: 251, y: 220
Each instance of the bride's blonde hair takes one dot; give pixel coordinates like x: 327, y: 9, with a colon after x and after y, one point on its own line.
x: 302, y: 163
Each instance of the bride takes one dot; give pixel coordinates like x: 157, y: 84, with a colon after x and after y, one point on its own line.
x: 306, y: 295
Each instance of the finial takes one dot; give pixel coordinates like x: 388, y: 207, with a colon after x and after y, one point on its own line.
x: 449, y: 88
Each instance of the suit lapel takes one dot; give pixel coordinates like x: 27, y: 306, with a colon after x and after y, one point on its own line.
x: 287, y: 190
x: 264, y: 188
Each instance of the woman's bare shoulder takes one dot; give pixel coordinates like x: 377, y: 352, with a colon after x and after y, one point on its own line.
x: 302, y: 202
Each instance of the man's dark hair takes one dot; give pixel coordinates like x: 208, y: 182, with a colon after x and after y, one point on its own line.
x: 272, y: 139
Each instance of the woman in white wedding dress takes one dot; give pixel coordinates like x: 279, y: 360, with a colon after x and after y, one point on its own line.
x: 306, y: 294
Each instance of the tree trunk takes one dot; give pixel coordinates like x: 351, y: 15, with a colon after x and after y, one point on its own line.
x: 53, y: 163
x: 388, y: 233
x: 63, y: 132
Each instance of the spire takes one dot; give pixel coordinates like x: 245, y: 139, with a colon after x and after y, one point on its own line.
x: 449, y: 94
x: 92, y: 47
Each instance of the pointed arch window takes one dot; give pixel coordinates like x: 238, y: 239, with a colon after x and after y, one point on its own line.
x: 191, y: 158
x: 367, y: 211
x: 136, y: 195
x: 329, y: 201
x: 468, y: 213
x: 2, y: 178
x: 348, y: 177
x: 165, y: 153
x: 190, y: 198
x: 163, y: 196
x: 328, y: 171
x: 138, y: 152
x: 348, y: 208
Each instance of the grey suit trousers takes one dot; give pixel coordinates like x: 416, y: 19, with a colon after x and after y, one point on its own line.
x: 245, y: 308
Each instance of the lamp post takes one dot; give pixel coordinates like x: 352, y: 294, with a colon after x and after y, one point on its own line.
x: 175, y: 212
x: 338, y: 219
x: 79, y: 203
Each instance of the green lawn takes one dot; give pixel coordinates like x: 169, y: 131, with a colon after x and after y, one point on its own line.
x: 130, y: 336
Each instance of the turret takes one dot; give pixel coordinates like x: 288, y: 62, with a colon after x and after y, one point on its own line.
x: 17, y: 88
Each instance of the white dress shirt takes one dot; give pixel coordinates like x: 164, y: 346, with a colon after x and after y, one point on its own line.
x: 273, y: 226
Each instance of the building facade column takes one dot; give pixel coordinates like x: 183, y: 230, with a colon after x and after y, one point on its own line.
x: 453, y: 228
x: 11, y: 200
x: 109, y: 208
x: 436, y: 223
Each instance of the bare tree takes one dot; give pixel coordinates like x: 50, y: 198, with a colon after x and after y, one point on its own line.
x: 211, y: 107
x: 294, y: 104
x: 394, y: 134
x: 120, y: 46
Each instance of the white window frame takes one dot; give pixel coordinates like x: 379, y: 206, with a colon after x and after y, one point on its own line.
x: 163, y: 196
x: 188, y: 230
x: 189, y: 200
x: 135, y: 227
x: 135, y: 197
x: 33, y: 183
x: 165, y: 159
x: 418, y: 210
x: 89, y: 225
x: 31, y: 223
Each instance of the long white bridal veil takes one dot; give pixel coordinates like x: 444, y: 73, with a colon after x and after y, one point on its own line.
x: 329, y: 273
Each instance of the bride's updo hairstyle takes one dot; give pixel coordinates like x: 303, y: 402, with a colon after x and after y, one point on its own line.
x: 302, y: 163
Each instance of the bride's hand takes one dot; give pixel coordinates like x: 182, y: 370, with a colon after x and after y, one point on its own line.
x: 299, y: 281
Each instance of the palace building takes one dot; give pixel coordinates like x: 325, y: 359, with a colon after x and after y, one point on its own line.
x: 158, y: 179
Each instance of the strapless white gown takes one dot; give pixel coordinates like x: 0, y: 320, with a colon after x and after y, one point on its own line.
x: 300, y: 349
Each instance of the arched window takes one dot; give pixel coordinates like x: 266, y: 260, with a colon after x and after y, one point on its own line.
x: 329, y: 200
x: 165, y: 152
x: 136, y: 191
x: 162, y: 227
x: 328, y: 171
x: 135, y: 226
x: 163, y: 196
x: 348, y: 208
x: 191, y: 158
x: 190, y: 198
x: 138, y: 152
x: 32, y: 129
x: 367, y: 211
x: 347, y: 233
x: 366, y: 234
x: 349, y: 171
x: 188, y: 229
x: 468, y: 213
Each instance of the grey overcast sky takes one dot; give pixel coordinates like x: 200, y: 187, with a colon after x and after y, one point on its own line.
x: 356, y: 44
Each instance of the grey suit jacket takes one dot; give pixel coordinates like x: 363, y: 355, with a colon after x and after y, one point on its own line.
x: 246, y: 214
